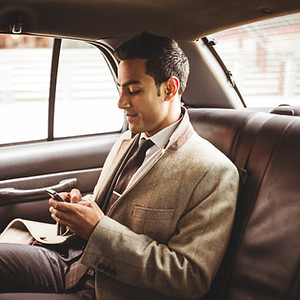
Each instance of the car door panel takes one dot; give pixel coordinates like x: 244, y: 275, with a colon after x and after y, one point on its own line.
x: 26, y: 170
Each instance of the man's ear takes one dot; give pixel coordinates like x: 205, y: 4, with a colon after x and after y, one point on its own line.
x: 172, y: 86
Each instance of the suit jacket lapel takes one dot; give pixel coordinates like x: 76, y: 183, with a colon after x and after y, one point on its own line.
x: 137, y: 179
x: 144, y: 171
x: 116, y: 163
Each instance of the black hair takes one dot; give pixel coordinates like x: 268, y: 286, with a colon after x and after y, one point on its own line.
x: 164, y: 57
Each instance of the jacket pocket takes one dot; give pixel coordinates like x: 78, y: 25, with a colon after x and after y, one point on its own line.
x: 154, y: 222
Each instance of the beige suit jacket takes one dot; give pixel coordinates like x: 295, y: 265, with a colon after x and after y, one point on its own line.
x: 166, y: 235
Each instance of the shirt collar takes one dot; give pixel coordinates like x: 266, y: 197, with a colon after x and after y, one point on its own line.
x: 161, y: 138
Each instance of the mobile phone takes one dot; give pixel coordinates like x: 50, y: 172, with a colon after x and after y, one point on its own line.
x: 61, y: 229
x: 55, y: 195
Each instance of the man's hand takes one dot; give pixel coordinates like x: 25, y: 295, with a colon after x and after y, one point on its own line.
x: 79, y: 215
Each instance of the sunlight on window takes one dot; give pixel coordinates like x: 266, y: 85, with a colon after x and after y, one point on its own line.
x: 86, y: 96
x: 86, y: 100
x: 264, y: 58
x: 25, y: 64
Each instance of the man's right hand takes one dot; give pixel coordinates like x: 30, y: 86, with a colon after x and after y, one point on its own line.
x: 80, y: 216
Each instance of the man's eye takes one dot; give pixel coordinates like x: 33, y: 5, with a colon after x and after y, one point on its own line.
x: 134, y: 92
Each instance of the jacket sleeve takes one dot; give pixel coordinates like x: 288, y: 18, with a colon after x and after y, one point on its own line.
x: 187, y: 264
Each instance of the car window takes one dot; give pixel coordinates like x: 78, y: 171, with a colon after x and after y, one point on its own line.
x: 264, y: 58
x: 86, y: 93
x: 25, y: 64
x: 86, y: 97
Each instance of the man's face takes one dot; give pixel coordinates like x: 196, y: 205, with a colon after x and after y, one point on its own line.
x: 144, y: 109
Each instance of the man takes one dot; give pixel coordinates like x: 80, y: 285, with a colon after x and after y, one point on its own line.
x: 164, y: 234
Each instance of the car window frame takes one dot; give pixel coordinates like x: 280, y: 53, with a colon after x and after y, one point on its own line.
x: 112, y: 64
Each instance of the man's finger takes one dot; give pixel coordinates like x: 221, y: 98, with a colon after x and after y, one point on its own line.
x: 60, y: 216
x: 62, y: 206
x: 85, y: 203
x: 75, y: 196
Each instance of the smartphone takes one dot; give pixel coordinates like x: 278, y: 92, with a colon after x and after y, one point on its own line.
x: 55, y: 195
x: 61, y: 229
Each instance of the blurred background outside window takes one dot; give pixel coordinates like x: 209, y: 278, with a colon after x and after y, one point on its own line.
x: 87, y: 95
x: 264, y: 58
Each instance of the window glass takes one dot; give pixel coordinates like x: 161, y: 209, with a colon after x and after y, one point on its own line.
x: 25, y: 64
x: 86, y: 97
x: 264, y: 58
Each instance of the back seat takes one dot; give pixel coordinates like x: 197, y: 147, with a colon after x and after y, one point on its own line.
x: 262, y: 261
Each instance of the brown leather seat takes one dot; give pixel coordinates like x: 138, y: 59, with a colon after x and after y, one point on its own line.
x: 263, y: 257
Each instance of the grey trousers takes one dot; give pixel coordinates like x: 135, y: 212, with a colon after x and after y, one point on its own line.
x: 33, y: 272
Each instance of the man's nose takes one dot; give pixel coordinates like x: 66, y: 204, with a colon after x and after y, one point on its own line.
x: 123, y: 101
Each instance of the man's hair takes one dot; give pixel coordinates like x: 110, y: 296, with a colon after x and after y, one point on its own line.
x: 164, y: 57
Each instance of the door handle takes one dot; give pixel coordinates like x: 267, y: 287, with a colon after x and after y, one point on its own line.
x: 11, y: 195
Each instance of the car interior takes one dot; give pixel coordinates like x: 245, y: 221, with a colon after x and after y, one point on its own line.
x: 262, y: 260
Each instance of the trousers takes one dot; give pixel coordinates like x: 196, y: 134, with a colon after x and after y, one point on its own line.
x: 33, y: 272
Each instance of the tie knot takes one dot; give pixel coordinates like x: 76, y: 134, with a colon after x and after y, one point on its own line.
x: 145, y: 145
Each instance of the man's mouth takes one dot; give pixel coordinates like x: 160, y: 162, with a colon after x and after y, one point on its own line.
x: 130, y: 115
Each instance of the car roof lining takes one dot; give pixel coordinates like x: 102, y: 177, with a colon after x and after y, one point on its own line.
x: 181, y: 19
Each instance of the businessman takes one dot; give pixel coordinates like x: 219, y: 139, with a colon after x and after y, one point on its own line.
x: 159, y: 219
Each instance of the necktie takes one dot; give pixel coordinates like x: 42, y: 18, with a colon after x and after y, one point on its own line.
x: 75, y: 273
x: 130, y: 168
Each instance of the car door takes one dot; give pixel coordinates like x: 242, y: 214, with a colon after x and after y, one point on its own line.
x: 58, y: 120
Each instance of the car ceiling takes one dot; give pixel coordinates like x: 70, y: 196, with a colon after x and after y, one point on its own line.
x: 97, y: 19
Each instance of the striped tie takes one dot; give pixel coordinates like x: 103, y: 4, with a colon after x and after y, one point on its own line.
x: 130, y: 168
x: 76, y: 272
